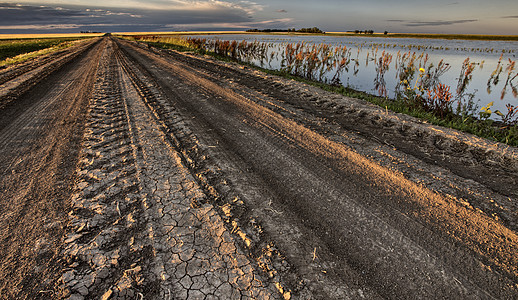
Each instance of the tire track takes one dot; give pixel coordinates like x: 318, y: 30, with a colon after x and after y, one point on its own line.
x: 307, y: 278
x: 102, y: 247
x: 376, y: 218
x: 39, y: 145
x: 141, y: 225
x: 217, y: 190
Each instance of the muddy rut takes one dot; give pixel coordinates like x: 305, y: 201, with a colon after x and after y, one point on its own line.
x: 138, y: 173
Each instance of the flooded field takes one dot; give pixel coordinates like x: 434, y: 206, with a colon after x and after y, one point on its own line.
x: 380, y: 65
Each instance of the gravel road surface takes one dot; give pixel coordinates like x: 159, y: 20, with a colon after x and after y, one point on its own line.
x: 130, y: 172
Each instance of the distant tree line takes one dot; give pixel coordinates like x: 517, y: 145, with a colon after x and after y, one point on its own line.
x: 302, y: 30
x: 364, y: 31
x: 268, y: 30
x: 310, y: 30
x: 367, y: 32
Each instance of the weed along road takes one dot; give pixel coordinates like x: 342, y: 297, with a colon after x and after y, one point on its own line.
x: 139, y: 173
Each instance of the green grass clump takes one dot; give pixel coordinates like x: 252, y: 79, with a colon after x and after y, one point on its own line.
x: 489, y: 129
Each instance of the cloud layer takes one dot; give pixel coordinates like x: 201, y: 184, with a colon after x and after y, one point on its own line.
x: 432, y: 23
x: 176, y: 14
x: 448, y: 16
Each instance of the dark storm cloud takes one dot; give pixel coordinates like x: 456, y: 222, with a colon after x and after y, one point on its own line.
x: 28, y: 18
x: 510, y: 17
x: 12, y: 15
x: 22, y: 14
x: 431, y: 23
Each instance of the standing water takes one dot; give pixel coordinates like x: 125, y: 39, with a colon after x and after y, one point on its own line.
x: 482, y: 71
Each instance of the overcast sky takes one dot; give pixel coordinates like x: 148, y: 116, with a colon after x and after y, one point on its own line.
x: 430, y: 16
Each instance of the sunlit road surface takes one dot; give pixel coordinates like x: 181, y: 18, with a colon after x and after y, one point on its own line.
x: 137, y: 172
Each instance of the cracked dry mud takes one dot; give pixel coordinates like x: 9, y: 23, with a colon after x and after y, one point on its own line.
x: 136, y: 173
x: 135, y: 195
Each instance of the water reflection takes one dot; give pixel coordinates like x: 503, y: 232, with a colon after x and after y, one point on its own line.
x: 389, y: 67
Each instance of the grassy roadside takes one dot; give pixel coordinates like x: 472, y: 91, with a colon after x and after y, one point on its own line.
x: 487, y: 128
x: 19, y: 50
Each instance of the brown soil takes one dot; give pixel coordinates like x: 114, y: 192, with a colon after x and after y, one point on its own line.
x: 115, y: 155
x: 40, y: 137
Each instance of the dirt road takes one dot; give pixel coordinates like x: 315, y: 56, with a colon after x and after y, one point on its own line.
x: 139, y: 173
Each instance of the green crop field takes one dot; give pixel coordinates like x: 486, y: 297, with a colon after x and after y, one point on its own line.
x: 12, y: 48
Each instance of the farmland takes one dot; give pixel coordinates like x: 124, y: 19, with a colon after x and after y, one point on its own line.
x: 133, y: 171
x: 18, y: 48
